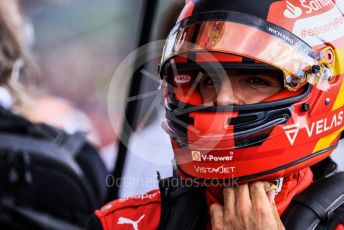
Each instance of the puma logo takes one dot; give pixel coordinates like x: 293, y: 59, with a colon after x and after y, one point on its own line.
x: 123, y: 220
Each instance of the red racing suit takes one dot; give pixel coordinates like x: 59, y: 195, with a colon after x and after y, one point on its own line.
x: 144, y: 211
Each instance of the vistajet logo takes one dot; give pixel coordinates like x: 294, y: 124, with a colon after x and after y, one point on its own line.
x: 221, y: 170
x: 292, y: 11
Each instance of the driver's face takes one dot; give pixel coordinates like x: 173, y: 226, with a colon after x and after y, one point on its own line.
x: 239, y: 88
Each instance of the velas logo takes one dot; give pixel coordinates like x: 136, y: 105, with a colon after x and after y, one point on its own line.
x: 291, y: 131
x: 308, y: 7
x: 315, y: 128
x: 182, y: 79
x: 292, y: 11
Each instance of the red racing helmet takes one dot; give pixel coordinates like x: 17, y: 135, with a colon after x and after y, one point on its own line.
x: 302, y: 43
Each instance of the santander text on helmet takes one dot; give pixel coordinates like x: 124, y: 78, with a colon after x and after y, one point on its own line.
x: 314, y: 5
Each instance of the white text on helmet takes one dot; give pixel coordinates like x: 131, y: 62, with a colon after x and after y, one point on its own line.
x: 315, y: 128
x: 314, y: 5
x: 221, y: 170
x: 324, y: 125
x: 181, y: 79
x: 216, y: 158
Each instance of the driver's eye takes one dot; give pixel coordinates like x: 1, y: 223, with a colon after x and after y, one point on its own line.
x: 208, y: 81
x: 255, y: 80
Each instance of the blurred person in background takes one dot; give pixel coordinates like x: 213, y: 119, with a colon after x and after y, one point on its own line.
x: 19, y: 74
x: 15, y: 43
x: 46, y: 173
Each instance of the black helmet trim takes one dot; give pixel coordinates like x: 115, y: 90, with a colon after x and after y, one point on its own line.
x: 184, y: 108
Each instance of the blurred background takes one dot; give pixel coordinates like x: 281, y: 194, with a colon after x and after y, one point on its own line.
x: 78, y: 45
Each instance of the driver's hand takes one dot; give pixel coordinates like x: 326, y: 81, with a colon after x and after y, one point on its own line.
x: 248, y: 206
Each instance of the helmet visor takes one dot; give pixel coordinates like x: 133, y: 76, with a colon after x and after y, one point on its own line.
x: 196, y: 85
x: 246, y: 36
